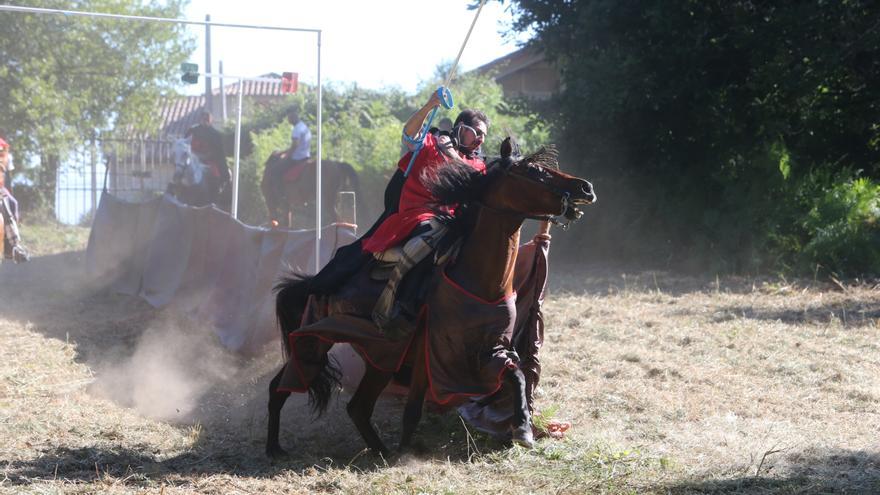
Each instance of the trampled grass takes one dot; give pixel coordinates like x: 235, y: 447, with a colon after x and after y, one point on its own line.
x: 673, y: 385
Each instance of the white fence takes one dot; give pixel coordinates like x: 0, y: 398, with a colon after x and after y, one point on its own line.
x: 132, y: 169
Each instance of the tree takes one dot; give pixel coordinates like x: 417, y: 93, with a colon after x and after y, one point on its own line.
x: 704, y: 117
x: 363, y: 127
x: 65, y: 78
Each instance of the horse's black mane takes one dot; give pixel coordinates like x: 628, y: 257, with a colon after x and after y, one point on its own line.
x: 457, y: 182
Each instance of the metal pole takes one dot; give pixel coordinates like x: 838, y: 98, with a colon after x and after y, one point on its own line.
x: 460, y: 51
x: 234, y: 209
x: 209, y: 97
x: 93, y: 152
x: 318, y: 203
x: 222, y: 95
x: 38, y: 10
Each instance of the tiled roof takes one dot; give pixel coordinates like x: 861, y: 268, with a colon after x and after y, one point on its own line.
x: 253, y: 88
x: 179, y: 113
x: 511, y: 62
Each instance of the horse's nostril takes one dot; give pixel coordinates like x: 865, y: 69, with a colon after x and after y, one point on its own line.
x: 587, y: 189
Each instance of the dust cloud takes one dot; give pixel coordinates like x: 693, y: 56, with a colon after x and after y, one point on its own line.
x: 173, y: 365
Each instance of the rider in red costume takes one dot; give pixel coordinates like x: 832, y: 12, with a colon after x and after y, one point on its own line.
x: 10, y: 240
x: 414, y: 221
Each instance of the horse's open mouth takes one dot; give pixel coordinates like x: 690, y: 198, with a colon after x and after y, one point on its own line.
x: 572, y: 213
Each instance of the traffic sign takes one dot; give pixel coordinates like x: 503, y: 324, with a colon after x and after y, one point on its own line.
x: 189, y: 73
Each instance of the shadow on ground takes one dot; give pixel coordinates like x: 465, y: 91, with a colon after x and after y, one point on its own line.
x: 598, y: 280
x: 326, y: 444
x: 834, y: 471
x: 854, y: 313
x: 54, y: 295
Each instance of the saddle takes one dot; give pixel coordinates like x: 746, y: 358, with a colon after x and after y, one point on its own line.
x: 295, y: 171
x: 385, y: 261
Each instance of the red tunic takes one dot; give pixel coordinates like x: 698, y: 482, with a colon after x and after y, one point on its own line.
x: 416, y: 200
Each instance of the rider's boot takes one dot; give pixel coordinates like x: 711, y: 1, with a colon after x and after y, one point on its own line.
x: 20, y: 254
x: 387, y: 314
x: 12, y: 248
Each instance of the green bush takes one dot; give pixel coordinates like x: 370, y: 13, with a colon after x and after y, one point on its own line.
x: 843, y: 229
x: 363, y: 127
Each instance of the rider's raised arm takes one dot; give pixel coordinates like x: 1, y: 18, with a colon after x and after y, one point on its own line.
x: 413, y: 126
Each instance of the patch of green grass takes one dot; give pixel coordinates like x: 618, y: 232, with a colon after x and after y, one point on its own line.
x: 46, y: 238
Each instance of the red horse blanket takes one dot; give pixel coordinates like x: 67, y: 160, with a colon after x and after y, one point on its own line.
x: 469, y: 342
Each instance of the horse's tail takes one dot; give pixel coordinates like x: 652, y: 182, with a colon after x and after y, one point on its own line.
x: 292, y: 295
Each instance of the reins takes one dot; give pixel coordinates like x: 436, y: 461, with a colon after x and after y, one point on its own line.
x: 565, y: 200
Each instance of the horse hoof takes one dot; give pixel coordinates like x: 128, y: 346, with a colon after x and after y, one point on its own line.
x: 523, y: 437
x: 276, y: 452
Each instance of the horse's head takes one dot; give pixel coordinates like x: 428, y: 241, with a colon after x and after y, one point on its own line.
x: 188, y: 170
x: 535, y: 187
x: 530, y: 186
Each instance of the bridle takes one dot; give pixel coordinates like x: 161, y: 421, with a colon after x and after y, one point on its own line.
x: 568, y: 213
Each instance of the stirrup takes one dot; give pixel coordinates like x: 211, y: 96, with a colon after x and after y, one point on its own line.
x: 396, y: 326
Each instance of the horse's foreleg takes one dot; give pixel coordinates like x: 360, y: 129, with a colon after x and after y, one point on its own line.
x: 521, y: 427
x: 276, y: 402
x: 415, y: 401
x: 360, y: 407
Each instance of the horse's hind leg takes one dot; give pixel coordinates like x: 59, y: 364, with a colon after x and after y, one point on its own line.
x: 276, y: 402
x: 515, y: 382
x: 360, y: 407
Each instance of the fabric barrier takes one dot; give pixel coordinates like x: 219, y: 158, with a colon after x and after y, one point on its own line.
x: 203, y: 262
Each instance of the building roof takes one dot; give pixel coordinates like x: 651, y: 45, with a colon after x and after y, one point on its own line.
x: 179, y: 113
x: 253, y: 88
x: 512, y: 62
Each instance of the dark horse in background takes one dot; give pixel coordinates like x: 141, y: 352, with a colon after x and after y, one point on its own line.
x: 494, y: 207
x: 294, y: 202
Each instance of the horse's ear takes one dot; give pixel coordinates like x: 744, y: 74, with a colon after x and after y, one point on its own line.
x: 506, y: 148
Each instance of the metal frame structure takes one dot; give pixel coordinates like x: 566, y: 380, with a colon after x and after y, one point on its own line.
x: 208, y: 24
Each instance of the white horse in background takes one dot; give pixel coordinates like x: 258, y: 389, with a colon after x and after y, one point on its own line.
x: 188, y: 184
x: 188, y: 169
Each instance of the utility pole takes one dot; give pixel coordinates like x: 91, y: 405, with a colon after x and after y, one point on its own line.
x: 222, y: 95
x: 209, y: 100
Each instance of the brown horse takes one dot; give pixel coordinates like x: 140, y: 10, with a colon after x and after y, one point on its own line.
x: 298, y: 197
x: 498, y: 202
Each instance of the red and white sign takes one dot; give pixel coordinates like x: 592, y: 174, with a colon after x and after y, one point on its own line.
x: 289, y: 82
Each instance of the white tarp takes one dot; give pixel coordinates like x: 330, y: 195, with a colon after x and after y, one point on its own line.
x: 203, y: 262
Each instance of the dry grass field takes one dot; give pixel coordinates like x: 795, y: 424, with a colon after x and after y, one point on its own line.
x: 673, y: 385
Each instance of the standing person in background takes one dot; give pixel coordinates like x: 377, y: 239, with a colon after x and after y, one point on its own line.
x: 6, y: 168
x: 11, y: 240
